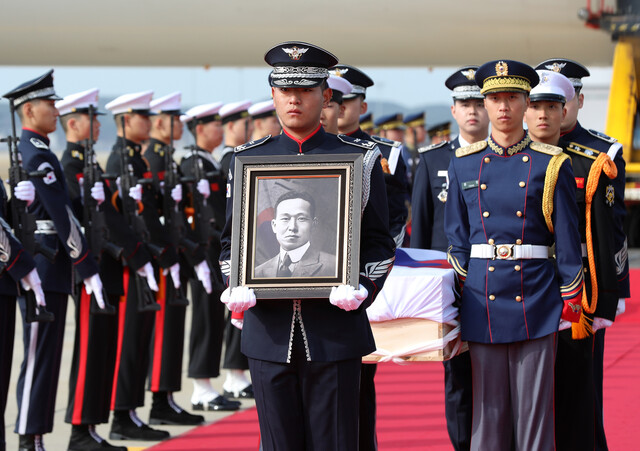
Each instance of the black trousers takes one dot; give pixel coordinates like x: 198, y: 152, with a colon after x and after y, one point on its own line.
x: 368, y: 438
x: 310, y: 406
x: 458, y: 400
x: 132, y: 358
x: 574, y: 393
x: 167, y: 340
x: 598, y: 370
x: 40, y: 369
x: 234, y: 359
x: 94, y: 358
x: 207, y: 332
x: 7, y: 332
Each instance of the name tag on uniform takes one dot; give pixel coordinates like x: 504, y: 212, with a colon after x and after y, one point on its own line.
x: 470, y: 184
x: 443, y: 173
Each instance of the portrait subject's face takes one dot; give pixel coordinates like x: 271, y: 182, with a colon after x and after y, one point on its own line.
x: 293, y: 223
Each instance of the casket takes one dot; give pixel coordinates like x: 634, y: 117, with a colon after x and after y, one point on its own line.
x: 414, y: 318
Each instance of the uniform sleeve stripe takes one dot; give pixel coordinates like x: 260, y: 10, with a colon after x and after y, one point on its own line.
x: 456, y: 265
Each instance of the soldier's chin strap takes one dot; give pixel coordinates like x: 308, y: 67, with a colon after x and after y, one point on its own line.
x: 604, y: 164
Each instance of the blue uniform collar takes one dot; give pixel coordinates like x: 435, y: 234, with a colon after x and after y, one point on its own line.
x: 27, y: 134
x: 312, y: 141
x: 574, y: 133
x: 511, y: 150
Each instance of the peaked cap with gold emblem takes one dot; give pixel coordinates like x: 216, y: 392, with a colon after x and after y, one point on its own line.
x: 505, y: 76
x: 298, y: 64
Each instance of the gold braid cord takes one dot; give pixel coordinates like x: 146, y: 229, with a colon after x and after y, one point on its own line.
x: 550, y: 179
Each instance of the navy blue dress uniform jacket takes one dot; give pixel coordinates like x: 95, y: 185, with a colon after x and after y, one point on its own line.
x: 52, y: 203
x: 16, y: 262
x: 497, y: 195
x: 330, y: 333
x: 603, y: 230
x: 590, y: 141
x: 134, y: 251
x: 150, y: 202
x: 429, y: 196
x: 396, y: 183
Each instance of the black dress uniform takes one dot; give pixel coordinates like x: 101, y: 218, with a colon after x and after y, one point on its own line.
x: 137, y: 328
x: 292, y: 339
x: 96, y: 338
x: 207, y: 327
x: 43, y: 341
x: 16, y: 264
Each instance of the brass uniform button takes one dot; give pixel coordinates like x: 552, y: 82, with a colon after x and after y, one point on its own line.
x: 485, y: 214
x: 518, y: 241
x: 492, y: 268
x: 522, y: 184
x: 491, y: 241
x: 519, y: 214
x: 487, y: 159
x: 492, y: 297
x: 483, y: 186
x: 525, y: 158
x: 517, y: 267
x: 519, y: 298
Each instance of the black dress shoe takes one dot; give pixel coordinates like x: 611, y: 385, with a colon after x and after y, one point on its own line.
x: 164, y: 410
x: 85, y: 438
x: 127, y: 426
x: 219, y: 404
x: 30, y: 442
x: 246, y: 393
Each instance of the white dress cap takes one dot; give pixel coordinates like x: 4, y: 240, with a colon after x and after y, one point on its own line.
x: 553, y: 86
x: 261, y: 108
x: 208, y: 110
x: 340, y: 84
x: 78, y: 102
x: 137, y: 102
x: 170, y: 103
x: 232, y: 111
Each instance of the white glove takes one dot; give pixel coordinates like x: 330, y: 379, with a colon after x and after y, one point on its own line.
x: 93, y: 285
x: 347, y: 297
x: 147, y: 272
x: 600, y: 323
x: 174, y: 270
x: 564, y: 325
x: 238, y: 323
x: 135, y: 192
x: 25, y: 191
x: 97, y: 192
x: 203, y: 272
x: 32, y: 282
x: 620, y: 309
x: 176, y: 194
x: 238, y: 299
x: 204, y: 188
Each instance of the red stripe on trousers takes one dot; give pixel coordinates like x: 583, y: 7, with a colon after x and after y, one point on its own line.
x: 122, y: 310
x: 158, y: 338
x: 85, y: 309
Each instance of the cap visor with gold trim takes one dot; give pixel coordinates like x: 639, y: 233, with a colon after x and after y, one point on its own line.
x: 505, y: 76
x: 298, y: 64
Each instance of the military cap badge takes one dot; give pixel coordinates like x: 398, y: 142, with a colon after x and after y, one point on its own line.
x: 295, y: 53
x: 556, y: 67
x: 502, y: 69
x: 470, y: 74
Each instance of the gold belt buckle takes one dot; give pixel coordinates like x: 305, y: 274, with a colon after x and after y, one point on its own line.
x: 504, y: 251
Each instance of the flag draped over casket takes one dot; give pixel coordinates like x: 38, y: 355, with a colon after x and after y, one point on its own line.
x: 414, y: 317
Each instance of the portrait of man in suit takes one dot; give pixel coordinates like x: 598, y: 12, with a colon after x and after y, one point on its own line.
x: 293, y: 226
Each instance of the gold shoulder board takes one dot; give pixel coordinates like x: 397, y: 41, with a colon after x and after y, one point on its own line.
x: 471, y: 148
x: 546, y: 148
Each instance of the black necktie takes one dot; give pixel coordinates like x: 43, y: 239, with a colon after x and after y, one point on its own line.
x: 283, y: 269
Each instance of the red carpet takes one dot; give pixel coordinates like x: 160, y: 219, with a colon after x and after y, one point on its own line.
x: 411, y: 401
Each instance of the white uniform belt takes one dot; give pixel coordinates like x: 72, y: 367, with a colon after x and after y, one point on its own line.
x: 510, y: 251
x: 45, y: 227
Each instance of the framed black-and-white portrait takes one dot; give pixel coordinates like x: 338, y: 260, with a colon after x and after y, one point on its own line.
x: 296, y: 224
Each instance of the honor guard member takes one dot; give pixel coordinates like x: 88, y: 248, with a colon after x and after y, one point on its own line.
x: 96, y: 337
x: 335, y: 108
x: 264, y: 118
x: 397, y: 195
x: 58, y: 229
x: 439, y: 133
x: 17, y: 268
x: 513, y: 293
x: 430, y: 186
x: 131, y: 114
x: 167, y: 341
x: 592, y: 142
x: 391, y: 127
x: 208, y: 323
x: 415, y: 136
x: 294, y: 342
x: 237, y: 127
x: 366, y: 123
